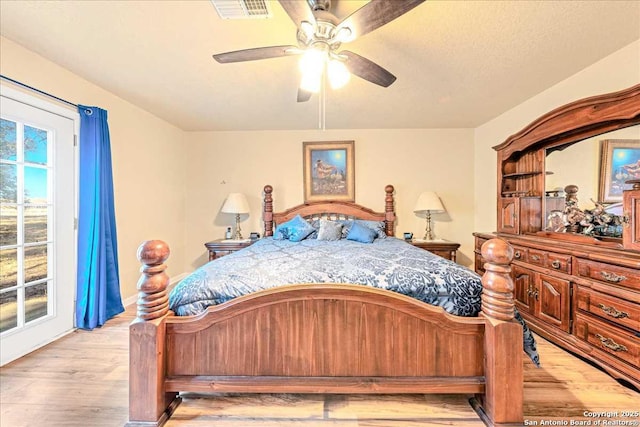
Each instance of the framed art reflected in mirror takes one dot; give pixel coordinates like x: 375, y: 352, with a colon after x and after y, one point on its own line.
x: 619, y: 162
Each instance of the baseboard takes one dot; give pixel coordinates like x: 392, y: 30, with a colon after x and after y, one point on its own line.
x: 172, y: 282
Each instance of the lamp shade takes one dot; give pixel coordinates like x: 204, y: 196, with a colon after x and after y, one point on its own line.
x: 236, y: 203
x: 428, y: 202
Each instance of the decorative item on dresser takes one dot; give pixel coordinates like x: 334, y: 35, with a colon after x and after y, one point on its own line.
x: 443, y: 248
x: 326, y: 337
x: 580, y: 291
x: 221, y: 247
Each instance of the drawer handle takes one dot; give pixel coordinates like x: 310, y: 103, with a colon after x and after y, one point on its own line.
x: 517, y: 255
x: 535, y: 257
x: 613, y: 312
x: 611, y: 344
x: 555, y: 264
x: 612, y: 277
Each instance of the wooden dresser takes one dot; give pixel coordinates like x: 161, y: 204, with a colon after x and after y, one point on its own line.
x: 580, y: 291
x: 583, y: 297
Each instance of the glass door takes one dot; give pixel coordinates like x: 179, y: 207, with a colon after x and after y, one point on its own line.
x: 37, y: 250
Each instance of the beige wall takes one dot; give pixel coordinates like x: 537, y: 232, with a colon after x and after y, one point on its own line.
x: 148, y: 159
x: 618, y: 71
x: 159, y: 169
x: 412, y: 160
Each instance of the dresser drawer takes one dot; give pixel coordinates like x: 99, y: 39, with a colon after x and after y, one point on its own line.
x: 478, y: 260
x: 479, y: 264
x: 558, y: 262
x: 607, y: 273
x: 536, y: 257
x: 547, y: 259
x: 617, y: 342
x: 520, y: 253
x: 620, y: 312
x: 479, y: 242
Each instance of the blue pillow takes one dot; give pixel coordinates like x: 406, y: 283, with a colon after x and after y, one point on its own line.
x: 293, y: 230
x: 360, y: 233
x: 377, y: 226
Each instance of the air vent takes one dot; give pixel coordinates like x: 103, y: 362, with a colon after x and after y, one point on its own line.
x: 242, y: 9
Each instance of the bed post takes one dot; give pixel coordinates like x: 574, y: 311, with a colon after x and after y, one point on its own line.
x: 149, y: 405
x: 502, y: 403
x: 267, y: 211
x: 389, y: 211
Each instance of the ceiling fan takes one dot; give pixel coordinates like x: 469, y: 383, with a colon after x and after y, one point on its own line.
x: 320, y: 34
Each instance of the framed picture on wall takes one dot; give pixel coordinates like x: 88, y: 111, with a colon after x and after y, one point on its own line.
x: 619, y: 162
x: 329, y: 172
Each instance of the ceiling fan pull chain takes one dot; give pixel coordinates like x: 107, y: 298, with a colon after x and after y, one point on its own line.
x: 322, y: 105
x: 320, y: 108
x: 324, y: 100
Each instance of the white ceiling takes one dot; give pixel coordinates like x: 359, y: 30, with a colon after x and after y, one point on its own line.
x: 458, y: 63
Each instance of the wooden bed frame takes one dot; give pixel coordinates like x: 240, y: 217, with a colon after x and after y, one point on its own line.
x: 326, y: 338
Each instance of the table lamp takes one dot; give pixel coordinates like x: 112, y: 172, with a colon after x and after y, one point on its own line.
x: 236, y: 203
x: 428, y: 203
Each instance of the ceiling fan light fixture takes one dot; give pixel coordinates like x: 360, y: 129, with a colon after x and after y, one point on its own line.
x: 320, y: 34
x: 311, y: 82
x: 312, y: 61
x: 338, y: 74
x: 307, y: 29
x: 343, y: 35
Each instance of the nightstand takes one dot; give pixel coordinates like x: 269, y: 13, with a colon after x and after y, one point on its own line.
x: 221, y: 247
x: 443, y: 248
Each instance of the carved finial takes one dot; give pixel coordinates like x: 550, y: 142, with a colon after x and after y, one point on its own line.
x: 153, y: 252
x: 497, y: 286
x: 389, y: 210
x: 267, y: 211
x: 153, y: 300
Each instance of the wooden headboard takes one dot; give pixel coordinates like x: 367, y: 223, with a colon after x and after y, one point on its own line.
x: 331, y: 209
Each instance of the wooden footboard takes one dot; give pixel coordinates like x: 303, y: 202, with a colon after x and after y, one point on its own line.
x: 327, y: 338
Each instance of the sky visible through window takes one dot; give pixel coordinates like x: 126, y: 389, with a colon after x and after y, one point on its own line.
x: 35, y: 153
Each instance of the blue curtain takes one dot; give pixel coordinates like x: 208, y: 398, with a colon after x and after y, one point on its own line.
x: 98, y: 285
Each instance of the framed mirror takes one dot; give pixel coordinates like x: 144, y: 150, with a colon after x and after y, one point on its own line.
x: 597, y: 166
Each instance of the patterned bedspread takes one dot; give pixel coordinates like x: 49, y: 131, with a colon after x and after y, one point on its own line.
x: 389, y: 263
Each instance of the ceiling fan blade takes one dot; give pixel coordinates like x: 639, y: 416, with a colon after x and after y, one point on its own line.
x: 303, y: 95
x: 298, y: 11
x: 370, y: 71
x: 374, y: 15
x: 256, y: 53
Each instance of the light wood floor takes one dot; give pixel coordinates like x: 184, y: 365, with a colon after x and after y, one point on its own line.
x: 81, y: 380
